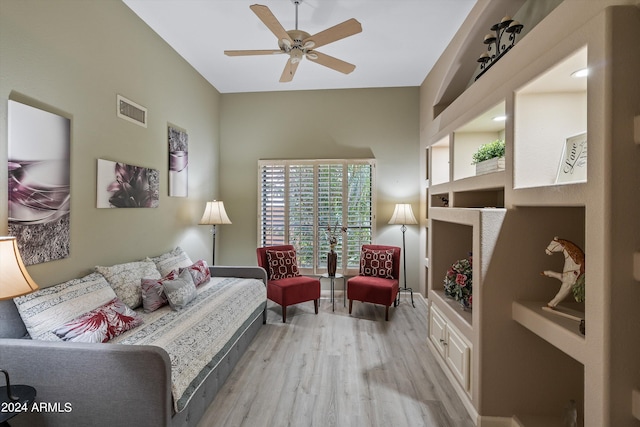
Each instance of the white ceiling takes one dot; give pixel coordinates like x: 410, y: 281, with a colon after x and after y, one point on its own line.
x: 399, y: 43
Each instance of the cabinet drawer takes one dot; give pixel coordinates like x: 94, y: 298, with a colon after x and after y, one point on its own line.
x: 457, y: 357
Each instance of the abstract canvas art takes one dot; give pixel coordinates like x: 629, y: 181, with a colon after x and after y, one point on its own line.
x: 120, y: 185
x: 39, y: 189
x: 178, y: 162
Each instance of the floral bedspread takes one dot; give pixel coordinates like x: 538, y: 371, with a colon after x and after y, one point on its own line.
x: 198, y: 336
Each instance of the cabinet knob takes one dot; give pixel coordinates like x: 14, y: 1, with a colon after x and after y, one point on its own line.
x: 443, y: 342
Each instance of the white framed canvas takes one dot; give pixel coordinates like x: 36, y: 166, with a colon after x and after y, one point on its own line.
x: 178, y: 162
x: 39, y: 190
x: 573, y: 163
x: 120, y: 185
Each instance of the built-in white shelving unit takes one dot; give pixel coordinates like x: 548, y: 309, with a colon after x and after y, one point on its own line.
x: 511, y: 359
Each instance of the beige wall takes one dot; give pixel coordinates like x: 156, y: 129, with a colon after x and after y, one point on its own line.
x: 72, y: 58
x: 361, y: 123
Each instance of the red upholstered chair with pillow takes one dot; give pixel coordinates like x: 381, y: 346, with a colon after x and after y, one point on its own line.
x: 378, y: 280
x: 285, y: 285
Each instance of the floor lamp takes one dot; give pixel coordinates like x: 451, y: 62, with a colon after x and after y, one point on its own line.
x: 15, y: 281
x: 214, y: 214
x: 403, y: 215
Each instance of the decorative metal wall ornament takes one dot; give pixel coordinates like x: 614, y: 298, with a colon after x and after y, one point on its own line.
x: 506, y: 25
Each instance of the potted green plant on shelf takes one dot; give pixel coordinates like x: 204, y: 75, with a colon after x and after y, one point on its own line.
x: 489, y: 157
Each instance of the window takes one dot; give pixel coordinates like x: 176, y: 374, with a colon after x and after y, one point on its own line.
x: 299, y: 199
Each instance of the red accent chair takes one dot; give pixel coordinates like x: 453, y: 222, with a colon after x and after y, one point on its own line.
x: 289, y: 290
x: 378, y: 281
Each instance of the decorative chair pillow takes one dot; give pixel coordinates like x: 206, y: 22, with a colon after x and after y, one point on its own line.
x: 376, y: 263
x: 47, y: 308
x: 125, y: 279
x: 282, y: 264
x: 153, y: 296
x: 199, y: 272
x: 180, y: 291
x: 173, y: 260
x: 101, y: 324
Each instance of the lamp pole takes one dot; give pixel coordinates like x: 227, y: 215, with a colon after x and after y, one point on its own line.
x: 403, y: 215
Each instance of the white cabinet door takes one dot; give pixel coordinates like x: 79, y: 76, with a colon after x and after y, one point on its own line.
x: 458, y: 355
x: 437, y: 330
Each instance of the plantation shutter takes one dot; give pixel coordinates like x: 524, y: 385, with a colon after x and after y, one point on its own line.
x: 359, y: 211
x: 272, y: 205
x: 301, y: 212
x: 300, y: 199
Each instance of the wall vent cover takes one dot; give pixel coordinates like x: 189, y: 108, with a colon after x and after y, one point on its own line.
x: 131, y: 111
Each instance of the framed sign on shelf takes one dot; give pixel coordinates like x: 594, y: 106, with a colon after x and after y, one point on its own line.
x: 573, y: 164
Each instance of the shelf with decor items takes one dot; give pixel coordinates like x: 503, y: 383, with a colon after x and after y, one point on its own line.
x: 549, y: 188
x: 455, y: 234
x: 471, y: 140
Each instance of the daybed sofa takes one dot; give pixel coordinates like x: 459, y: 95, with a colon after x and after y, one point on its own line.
x: 119, y: 384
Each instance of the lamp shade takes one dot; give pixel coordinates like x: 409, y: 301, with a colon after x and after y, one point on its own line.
x: 15, y: 281
x: 403, y: 215
x: 214, y: 214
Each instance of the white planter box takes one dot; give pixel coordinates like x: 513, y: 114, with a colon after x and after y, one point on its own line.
x: 492, y: 165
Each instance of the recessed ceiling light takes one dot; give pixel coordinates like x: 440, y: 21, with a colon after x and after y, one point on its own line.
x: 580, y: 73
x: 499, y: 118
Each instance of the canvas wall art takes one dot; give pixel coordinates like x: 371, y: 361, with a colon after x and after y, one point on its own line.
x: 178, y: 162
x: 39, y: 188
x: 120, y: 185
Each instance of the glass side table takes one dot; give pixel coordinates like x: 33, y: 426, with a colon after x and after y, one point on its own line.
x: 333, y: 287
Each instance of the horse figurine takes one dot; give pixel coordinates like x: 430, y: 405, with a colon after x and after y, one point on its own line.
x: 572, y: 276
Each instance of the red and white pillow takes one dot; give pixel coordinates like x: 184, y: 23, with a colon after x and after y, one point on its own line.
x: 376, y: 263
x: 101, y: 324
x: 282, y: 264
x: 199, y: 272
x: 153, y: 296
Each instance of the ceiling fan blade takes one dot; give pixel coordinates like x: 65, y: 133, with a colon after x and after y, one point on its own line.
x: 265, y: 15
x: 335, y: 33
x: 331, y: 62
x: 252, y: 52
x: 289, y: 71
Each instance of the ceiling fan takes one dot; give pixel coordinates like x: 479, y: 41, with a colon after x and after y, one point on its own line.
x: 298, y: 44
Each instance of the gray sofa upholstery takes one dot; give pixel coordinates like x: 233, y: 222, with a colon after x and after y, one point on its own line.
x: 110, y: 384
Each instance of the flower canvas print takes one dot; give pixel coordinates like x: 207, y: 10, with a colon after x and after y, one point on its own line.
x: 121, y: 185
x: 178, y: 162
x: 39, y: 189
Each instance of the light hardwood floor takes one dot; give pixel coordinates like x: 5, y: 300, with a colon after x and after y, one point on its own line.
x: 333, y: 369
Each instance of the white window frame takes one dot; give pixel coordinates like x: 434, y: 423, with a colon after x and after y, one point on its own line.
x: 318, y: 267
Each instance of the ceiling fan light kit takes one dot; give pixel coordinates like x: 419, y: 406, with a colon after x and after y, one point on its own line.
x: 299, y: 44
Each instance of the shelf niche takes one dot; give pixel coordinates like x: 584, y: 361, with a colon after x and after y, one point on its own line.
x: 439, y: 162
x: 548, y: 110
x: 467, y: 139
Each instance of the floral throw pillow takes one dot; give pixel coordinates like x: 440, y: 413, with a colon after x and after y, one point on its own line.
x: 199, y: 272
x: 172, y: 260
x: 100, y: 324
x: 180, y: 291
x: 125, y: 279
x: 282, y: 264
x: 376, y: 263
x: 153, y: 296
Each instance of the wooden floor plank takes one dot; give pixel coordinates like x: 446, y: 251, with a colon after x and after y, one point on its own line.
x: 336, y: 369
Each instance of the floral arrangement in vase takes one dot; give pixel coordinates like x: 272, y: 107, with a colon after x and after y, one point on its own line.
x: 333, y: 236
x: 458, y: 282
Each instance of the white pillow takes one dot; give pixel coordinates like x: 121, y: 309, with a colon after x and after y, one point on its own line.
x: 47, y: 309
x: 173, y: 260
x: 180, y: 291
x: 125, y: 279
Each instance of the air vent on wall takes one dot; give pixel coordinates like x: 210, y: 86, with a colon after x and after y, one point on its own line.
x: 131, y: 111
